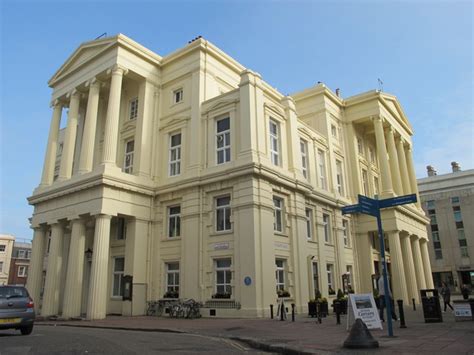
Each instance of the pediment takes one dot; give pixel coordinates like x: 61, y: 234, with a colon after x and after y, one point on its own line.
x: 84, y: 53
x: 392, y: 103
x: 220, y: 104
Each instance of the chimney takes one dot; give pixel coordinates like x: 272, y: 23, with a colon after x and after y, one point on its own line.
x: 431, y: 171
x: 456, y: 167
x: 338, y: 92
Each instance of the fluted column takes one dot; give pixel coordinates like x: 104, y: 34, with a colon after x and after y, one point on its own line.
x: 418, y: 261
x: 74, y: 276
x: 403, y: 168
x: 412, y: 287
x: 88, y: 137
x: 67, y: 157
x: 35, y: 272
x: 52, y: 147
x: 394, y: 164
x: 398, y: 269
x: 383, y: 159
x: 112, y: 117
x: 425, y: 256
x: 98, y: 283
x: 411, y: 173
x: 53, y: 272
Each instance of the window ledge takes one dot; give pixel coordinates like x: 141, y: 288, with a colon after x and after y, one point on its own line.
x: 280, y: 234
x: 222, y: 233
x: 167, y: 239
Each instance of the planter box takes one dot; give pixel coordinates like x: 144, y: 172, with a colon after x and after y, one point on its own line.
x: 312, y: 310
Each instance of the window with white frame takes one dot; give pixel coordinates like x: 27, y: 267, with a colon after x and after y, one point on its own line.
x: 322, y: 169
x: 223, y: 276
x: 280, y: 274
x: 330, y: 272
x: 119, y: 267
x: 22, y: 271
x: 223, y: 140
x: 275, y: 142
x: 2, y: 248
x: 327, y: 228
x: 277, y: 214
x: 178, y: 95
x: 223, y: 212
x: 21, y: 253
x: 315, y: 278
x: 309, y: 223
x: 365, y: 183
x: 128, y: 159
x: 172, y: 277
x: 345, y: 233
x: 121, y: 229
x: 349, y: 274
x: 133, y: 108
x: 339, y: 177
x: 175, y: 154
x: 304, y: 157
x: 174, y: 221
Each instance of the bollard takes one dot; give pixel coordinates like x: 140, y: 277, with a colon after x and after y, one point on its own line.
x: 402, y: 314
x: 337, y: 309
x: 282, y: 310
x: 292, y: 312
x: 413, y: 301
x: 271, y: 311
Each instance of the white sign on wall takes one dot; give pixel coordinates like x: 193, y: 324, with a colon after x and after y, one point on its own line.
x: 221, y: 246
x: 363, y: 306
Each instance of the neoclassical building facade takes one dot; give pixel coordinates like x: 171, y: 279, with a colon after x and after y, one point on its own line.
x: 198, y: 179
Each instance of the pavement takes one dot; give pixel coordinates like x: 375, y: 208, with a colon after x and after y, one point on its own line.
x: 305, y: 335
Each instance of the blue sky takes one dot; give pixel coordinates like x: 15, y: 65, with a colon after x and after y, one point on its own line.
x: 422, y: 50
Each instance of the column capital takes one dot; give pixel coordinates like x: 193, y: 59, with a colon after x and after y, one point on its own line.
x: 56, y: 103
x: 74, y: 93
x: 102, y: 215
x: 94, y: 82
x: 117, y: 69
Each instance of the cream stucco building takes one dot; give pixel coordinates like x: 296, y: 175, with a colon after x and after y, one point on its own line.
x: 196, y: 177
x: 6, y: 249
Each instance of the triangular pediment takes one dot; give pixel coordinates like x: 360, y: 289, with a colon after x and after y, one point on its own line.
x: 84, y: 53
x: 392, y: 104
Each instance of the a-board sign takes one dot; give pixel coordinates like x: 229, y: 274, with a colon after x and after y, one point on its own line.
x: 363, y: 306
x: 462, y: 310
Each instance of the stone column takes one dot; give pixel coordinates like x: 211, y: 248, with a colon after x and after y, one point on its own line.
x: 411, y: 173
x: 144, y: 130
x: 75, y: 268
x: 51, y: 149
x: 35, y: 272
x: 67, y: 157
x: 53, y: 272
x: 403, y: 168
x: 98, y: 284
x: 398, y: 268
x: 112, y: 118
x: 387, y: 189
x: 418, y: 261
x: 425, y: 256
x: 90, y: 126
x: 365, y: 262
x: 412, y: 287
x: 394, y: 164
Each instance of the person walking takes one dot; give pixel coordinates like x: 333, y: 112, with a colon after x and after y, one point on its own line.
x: 446, y: 293
x: 465, y: 292
x: 382, y: 299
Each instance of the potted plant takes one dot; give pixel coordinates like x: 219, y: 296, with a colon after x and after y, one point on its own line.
x: 283, y: 293
x: 313, y: 304
x: 342, y: 299
x: 331, y: 291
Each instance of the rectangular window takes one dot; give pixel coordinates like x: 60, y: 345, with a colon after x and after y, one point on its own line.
x: 376, y: 186
x: 433, y: 219
x: 365, y: 183
x: 121, y: 229
x: 223, y: 213
x: 454, y: 200
x: 1, y: 266
x: 349, y: 275
x: 128, y: 161
x: 339, y: 178
x: 275, y: 142
x: 360, y: 146
x: 2, y: 248
x: 172, y: 277
x: 304, y: 157
x: 223, y: 276
x: 133, y: 112
x: 22, y: 271
x: 278, y: 214
x: 437, y: 245
x: 327, y: 228
x: 280, y: 274
x: 372, y: 155
x: 223, y: 140
x: 334, y: 131
x: 457, y: 216
x: 174, y: 221
x: 462, y: 243
x: 119, y: 267
x: 177, y: 96
x: 345, y: 232
x: 322, y: 170
x: 329, y: 270
x: 21, y: 254
x: 309, y: 223
x: 315, y: 279
x: 175, y: 154
x: 430, y: 205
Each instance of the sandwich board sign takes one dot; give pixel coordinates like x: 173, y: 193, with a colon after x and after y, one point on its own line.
x: 363, y: 306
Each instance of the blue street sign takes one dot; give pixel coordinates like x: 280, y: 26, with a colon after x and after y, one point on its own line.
x: 396, y: 201
x: 368, y: 205
x: 351, y: 209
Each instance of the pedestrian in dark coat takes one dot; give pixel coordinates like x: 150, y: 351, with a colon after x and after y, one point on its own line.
x: 465, y: 292
x: 446, y: 293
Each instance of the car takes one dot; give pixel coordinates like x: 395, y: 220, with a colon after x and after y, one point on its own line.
x: 17, y: 310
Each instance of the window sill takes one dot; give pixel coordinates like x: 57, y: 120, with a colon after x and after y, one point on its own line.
x: 329, y: 244
x: 280, y: 234
x: 311, y: 241
x: 167, y: 239
x: 221, y: 233
x: 116, y: 298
